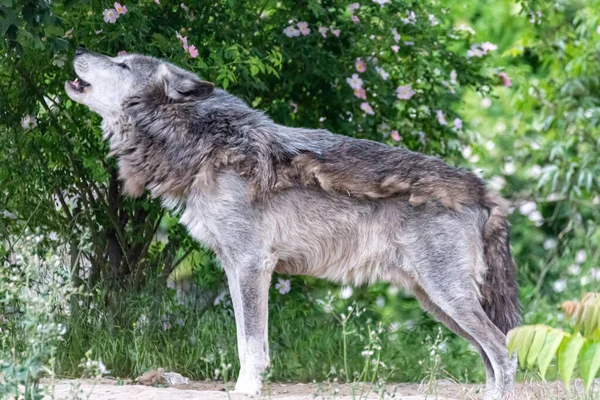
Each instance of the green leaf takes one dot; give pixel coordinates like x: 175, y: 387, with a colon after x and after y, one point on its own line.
x: 519, y: 339
x: 536, y: 344
x: 524, y: 345
x: 553, y: 340
x: 567, y: 357
x: 590, y: 320
x: 590, y: 363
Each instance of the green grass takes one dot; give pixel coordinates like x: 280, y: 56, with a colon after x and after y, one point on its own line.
x: 306, y: 343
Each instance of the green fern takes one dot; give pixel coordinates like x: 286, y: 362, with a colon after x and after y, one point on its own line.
x: 539, y: 344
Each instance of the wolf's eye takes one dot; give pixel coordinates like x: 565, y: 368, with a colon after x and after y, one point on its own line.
x: 123, y: 65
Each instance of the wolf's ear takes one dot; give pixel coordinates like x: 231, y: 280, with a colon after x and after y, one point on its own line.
x: 182, y: 85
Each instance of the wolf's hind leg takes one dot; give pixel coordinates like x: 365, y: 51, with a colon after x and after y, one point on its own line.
x: 445, y: 319
x: 457, y: 298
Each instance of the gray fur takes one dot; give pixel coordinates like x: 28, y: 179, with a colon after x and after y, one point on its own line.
x: 270, y: 198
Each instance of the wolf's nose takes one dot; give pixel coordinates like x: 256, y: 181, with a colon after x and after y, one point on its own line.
x: 79, y: 51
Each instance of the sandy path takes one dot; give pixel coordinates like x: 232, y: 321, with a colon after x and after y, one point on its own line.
x: 107, y: 389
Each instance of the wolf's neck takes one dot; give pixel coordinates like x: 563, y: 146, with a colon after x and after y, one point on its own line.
x: 116, y: 130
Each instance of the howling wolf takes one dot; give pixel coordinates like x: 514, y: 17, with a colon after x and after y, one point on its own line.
x: 265, y: 197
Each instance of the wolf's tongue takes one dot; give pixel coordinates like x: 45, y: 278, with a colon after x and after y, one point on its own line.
x: 76, y: 82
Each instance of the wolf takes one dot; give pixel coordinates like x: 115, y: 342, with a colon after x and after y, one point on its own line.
x: 269, y: 198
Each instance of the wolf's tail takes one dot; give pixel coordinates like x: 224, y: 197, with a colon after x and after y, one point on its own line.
x: 500, y: 294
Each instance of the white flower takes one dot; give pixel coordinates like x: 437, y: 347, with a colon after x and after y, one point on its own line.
x: 537, y: 218
x: 509, y: 168
x: 346, y: 292
x: 384, y: 75
x: 291, y: 31
x: 142, y: 321
x: 380, y: 301
x: 283, y: 285
x: 560, y: 285
x: 580, y: 257
x: 355, y: 82
x: 486, y: 102
x: 535, y: 171
x: 497, y: 182
x: 463, y: 27
x: 441, y: 117
x: 549, y: 244
x: 584, y: 280
x: 574, y: 269
x: 527, y: 208
x: 432, y: 20
x: 410, y: 19
x: 457, y: 124
x: 466, y: 151
x: 487, y: 46
x: 396, y: 35
x: 367, y: 353
x: 28, y: 122
x: 453, y: 78
x: 381, y: 2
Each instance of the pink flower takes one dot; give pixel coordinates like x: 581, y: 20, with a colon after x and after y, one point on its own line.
x: 360, y: 65
x: 120, y: 9
x: 355, y: 19
x: 360, y: 93
x: 441, y: 117
x: 183, y: 40
x: 303, y: 27
x: 487, y: 46
x: 395, y: 48
x: 290, y: 31
x: 193, y: 51
x: 404, y: 92
x: 355, y: 82
x: 395, y: 135
x: 122, y: 53
x: 295, y: 107
x: 110, y: 16
x: 98, y: 32
x: 157, y: 1
x: 505, y: 78
x: 352, y: 7
x: 323, y: 31
x: 336, y: 32
x: 458, y: 124
x: 366, y: 107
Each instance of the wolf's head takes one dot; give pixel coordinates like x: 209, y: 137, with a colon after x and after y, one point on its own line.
x: 103, y: 83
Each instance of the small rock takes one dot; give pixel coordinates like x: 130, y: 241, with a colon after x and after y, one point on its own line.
x: 173, y: 378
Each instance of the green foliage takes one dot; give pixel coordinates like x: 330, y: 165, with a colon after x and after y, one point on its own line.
x: 542, y: 343
x: 536, y: 141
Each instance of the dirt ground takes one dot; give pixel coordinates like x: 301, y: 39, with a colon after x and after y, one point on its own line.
x: 107, y: 389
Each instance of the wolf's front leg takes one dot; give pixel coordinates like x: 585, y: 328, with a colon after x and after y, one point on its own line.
x: 249, y: 288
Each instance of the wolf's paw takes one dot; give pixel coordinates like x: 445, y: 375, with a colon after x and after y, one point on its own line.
x: 247, y: 385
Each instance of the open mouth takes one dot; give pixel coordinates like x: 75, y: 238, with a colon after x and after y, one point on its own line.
x: 78, y: 85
